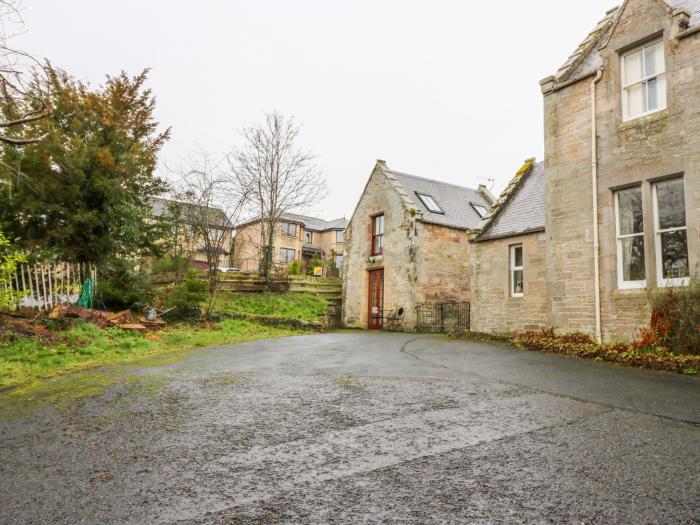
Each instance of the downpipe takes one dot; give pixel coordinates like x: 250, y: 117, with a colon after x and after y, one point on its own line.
x: 594, y: 187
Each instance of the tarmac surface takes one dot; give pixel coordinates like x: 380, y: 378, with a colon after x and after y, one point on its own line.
x: 354, y: 428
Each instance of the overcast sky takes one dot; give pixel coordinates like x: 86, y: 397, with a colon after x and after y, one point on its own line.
x: 442, y: 89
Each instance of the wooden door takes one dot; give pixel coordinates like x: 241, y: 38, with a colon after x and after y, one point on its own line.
x: 375, y: 319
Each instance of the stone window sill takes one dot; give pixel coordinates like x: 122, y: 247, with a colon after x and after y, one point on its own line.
x: 646, y: 120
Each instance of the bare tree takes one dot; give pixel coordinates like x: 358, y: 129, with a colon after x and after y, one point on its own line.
x: 280, y: 177
x: 208, y: 202
x: 22, y: 106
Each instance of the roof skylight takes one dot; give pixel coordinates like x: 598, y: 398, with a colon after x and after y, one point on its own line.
x: 430, y: 203
x: 480, y: 209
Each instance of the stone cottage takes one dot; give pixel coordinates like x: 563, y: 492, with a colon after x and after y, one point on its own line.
x: 407, y: 244
x: 508, y: 258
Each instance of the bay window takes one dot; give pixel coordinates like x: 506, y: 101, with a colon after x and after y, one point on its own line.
x: 643, y: 81
x: 671, y: 233
x: 629, y: 213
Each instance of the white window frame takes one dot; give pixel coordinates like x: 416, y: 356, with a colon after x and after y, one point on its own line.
x: 621, y: 283
x: 660, y: 76
x: 342, y: 260
x: 660, y: 280
x: 339, y: 236
x: 514, y: 268
x: 308, y: 237
x: 430, y: 203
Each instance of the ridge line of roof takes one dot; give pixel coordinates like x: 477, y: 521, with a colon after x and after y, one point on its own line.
x: 432, y: 180
x: 506, y: 196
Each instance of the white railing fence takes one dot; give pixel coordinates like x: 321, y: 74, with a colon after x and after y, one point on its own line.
x: 51, y: 284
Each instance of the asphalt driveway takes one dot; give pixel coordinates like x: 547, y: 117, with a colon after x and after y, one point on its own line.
x: 355, y: 428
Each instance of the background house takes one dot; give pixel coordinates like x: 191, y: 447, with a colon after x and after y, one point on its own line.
x: 407, y: 244
x: 186, y: 221
x: 297, y: 238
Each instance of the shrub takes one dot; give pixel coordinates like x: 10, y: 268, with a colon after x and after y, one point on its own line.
x: 177, y: 264
x: 675, y: 320
x: 188, y: 296
x: 581, y: 345
x: 294, y: 268
x: 8, y: 264
x: 121, y: 285
x: 315, y: 262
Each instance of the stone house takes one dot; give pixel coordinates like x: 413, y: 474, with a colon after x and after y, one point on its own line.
x: 407, y: 244
x: 297, y: 238
x: 190, y: 243
x: 622, y: 167
x: 576, y: 241
x: 508, y: 258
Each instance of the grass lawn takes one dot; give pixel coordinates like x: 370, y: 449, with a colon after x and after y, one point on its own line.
x: 86, y: 346
x: 305, y: 307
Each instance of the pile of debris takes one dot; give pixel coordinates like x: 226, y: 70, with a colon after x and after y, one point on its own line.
x: 30, y: 322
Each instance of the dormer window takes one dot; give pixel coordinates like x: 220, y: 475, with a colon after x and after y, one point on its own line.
x: 643, y: 81
x: 480, y: 209
x: 430, y: 203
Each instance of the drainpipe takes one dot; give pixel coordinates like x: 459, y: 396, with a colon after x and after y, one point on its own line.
x: 594, y: 186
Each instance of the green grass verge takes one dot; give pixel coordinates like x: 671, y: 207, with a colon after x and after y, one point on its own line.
x: 306, y: 307
x: 86, y: 346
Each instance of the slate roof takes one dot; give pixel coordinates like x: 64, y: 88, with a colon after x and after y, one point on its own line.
x: 160, y: 207
x: 310, y: 223
x: 520, y: 208
x: 586, y: 59
x: 454, y: 200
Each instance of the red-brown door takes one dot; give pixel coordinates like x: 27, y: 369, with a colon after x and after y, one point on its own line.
x: 376, y: 300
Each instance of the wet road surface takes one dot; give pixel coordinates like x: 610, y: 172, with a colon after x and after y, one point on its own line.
x: 354, y: 428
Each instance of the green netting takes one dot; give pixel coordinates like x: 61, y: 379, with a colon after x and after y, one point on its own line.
x: 87, y: 294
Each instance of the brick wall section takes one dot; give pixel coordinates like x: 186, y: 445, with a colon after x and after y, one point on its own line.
x: 635, y: 152
x: 494, y: 310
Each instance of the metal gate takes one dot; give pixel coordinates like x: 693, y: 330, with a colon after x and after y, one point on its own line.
x: 443, y: 318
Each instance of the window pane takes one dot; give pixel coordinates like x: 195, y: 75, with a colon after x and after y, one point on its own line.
x: 652, y: 95
x: 633, y: 67
x: 518, y: 281
x: 633, y: 259
x: 674, y: 254
x: 670, y: 199
x: 518, y: 256
x: 635, y: 100
x: 651, y: 60
x: 631, y: 216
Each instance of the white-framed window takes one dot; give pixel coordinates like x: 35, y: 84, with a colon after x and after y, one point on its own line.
x: 643, y: 81
x: 339, y: 236
x: 517, y: 286
x: 289, y: 228
x: 430, y: 203
x: 671, y: 232
x: 629, y: 230
x: 339, y: 262
x: 286, y: 255
x: 308, y: 237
